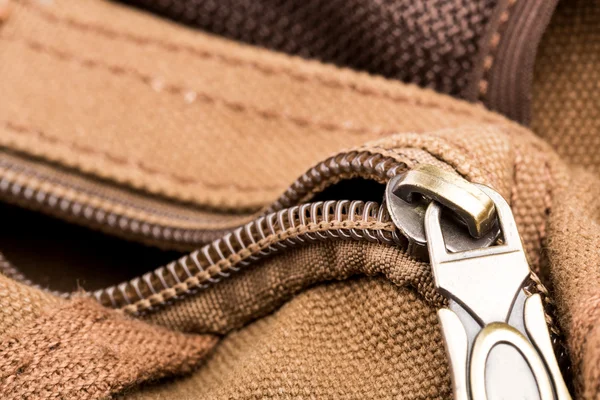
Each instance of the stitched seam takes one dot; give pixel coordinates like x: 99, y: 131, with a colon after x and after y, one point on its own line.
x: 204, y: 97
x: 86, y: 150
x: 212, y: 271
x: 494, y: 45
x: 238, y: 62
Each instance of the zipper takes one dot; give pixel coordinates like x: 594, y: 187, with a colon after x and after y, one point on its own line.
x: 68, y: 196
x: 119, y: 212
x: 113, y: 210
x: 307, y: 223
x: 281, y: 226
x: 495, y: 330
x: 472, y: 326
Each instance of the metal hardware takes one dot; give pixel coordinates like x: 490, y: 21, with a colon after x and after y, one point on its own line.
x: 465, y: 199
x: 409, y: 216
x: 496, y: 337
x: 16, y: 187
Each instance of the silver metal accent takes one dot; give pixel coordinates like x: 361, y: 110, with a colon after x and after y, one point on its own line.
x: 496, y: 337
x: 537, y: 330
x: 409, y: 217
x: 483, y: 366
x: 457, y: 343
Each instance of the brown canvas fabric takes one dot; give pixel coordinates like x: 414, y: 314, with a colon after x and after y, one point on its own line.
x: 574, y: 252
x: 536, y: 185
x: 148, y: 96
x: 433, y: 44
x: 566, y: 95
x: 263, y: 288
x: 80, y: 350
x: 54, y: 348
x: 20, y: 304
x: 572, y: 256
x: 363, y: 338
x: 82, y: 90
x: 479, y: 50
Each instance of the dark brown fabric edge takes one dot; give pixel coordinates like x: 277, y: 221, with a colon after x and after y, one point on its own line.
x: 509, y: 82
x: 473, y: 90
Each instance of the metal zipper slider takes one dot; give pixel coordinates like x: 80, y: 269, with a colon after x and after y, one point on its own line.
x: 408, y: 195
x: 496, y: 335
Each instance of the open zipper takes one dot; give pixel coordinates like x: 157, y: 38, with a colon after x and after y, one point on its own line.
x: 69, y: 196
x: 234, y: 240
x: 154, y: 221
x: 303, y: 224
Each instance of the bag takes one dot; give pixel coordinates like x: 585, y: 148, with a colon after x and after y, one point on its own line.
x: 257, y: 180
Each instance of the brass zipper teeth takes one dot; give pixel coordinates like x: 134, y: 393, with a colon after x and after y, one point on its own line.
x: 364, y: 164
x: 216, y: 261
x: 113, y: 220
x: 281, y: 214
x: 304, y: 224
x: 556, y: 334
x: 49, y: 199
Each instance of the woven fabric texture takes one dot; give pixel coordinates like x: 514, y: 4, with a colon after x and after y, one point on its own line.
x: 266, y: 286
x: 433, y: 43
x: 478, y: 50
x: 80, y: 350
x: 20, y: 304
x: 574, y: 256
x: 179, y: 113
x: 566, y: 95
x: 489, y: 154
x: 361, y: 339
x: 120, y: 96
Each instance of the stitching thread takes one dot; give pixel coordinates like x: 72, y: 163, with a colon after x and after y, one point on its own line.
x: 235, y: 106
x: 239, y: 62
x: 20, y: 129
x: 488, y: 61
x: 221, y: 266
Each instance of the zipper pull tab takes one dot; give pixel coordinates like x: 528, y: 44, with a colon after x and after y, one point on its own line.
x: 407, y: 196
x: 496, y: 336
